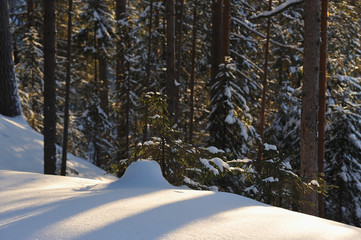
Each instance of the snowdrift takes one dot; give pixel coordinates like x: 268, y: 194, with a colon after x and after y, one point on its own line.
x: 21, y: 149
x: 140, y: 205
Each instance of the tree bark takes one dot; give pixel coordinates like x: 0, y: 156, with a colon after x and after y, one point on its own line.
x: 122, y: 121
x: 179, y: 35
x: 264, y: 93
x: 322, y: 99
x: 226, y: 28
x: 147, y: 83
x: 217, y: 52
x: 9, y: 99
x: 193, y: 69
x: 309, y: 162
x: 170, y: 59
x: 49, y: 88
x: 67, y: 91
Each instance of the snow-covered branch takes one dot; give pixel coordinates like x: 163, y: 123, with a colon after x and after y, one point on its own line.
x: 282, y: 7
x: 264, y: 36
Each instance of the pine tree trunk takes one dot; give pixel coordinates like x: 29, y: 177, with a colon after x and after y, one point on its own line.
x: 217, y: 52
x: 322, y: 99
x: 9, y: 99
x: 49, y: 88
x: 170, y: 59
x: 309, y: 162
x: 179, y: 35
x: 67, y: 91
x: 122, y: 121
x: 193, y: 69
x: 147, y: 83
x: 264, y: 92
x: 226, y: 28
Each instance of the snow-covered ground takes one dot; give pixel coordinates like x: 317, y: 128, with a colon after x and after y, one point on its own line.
x: 21, y: 149
x: 140, y: 205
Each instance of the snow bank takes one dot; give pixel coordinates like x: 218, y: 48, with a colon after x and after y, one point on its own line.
x: 21, y: 149
x: 140, y: 205
x: 43, y: 207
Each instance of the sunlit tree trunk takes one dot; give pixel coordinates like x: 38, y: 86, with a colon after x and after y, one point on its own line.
x: 308, y: 153
x: 67, y: 91
x: 322, y: 99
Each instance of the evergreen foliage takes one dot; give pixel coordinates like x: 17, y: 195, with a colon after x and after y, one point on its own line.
x: 230, y: 122
x: 30, y: 75
x: 343, y: 150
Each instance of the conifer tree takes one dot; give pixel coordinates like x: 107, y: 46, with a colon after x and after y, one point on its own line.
x: 343, y: 148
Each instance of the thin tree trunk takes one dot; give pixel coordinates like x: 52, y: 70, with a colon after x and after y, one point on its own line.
x: 122, y: 130
x: 322, y: 100
x: 264, y: 93
x: 309, y: 162
x: 192, y: 80
x: 170, y: 59
x: 217, y: 52
x: 9, y: 99
x: 147, y: 83
x: 226, y: 28
x: 49, y: 88
x: 67, y: 91
x: 179, y: 54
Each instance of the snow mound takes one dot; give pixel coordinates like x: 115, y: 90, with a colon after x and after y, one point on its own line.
x: 142, y: 174
x: 22, y: 150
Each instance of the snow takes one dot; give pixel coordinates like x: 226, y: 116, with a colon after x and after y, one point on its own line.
x: 277, y: 9
x: 268, y: 147
x: 140, y: 205
x: 214, y: 150
x: 21, y: 149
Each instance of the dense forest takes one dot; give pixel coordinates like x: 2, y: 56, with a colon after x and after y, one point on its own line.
x: 258, y: 98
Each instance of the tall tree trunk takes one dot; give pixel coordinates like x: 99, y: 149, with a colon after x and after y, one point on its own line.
x: 309, y: 162
x: 122, y: 121
x: 9, y: 99
x: 217, y: 52
x: 67, y: 91
x: 264, y: 93
x: 179, y: 34
x: 193, y: 69
x: 322, y: 99
x: 170, y: 59
x: 147, y: 83
x: 226, y: 28
x: 49, y: 88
